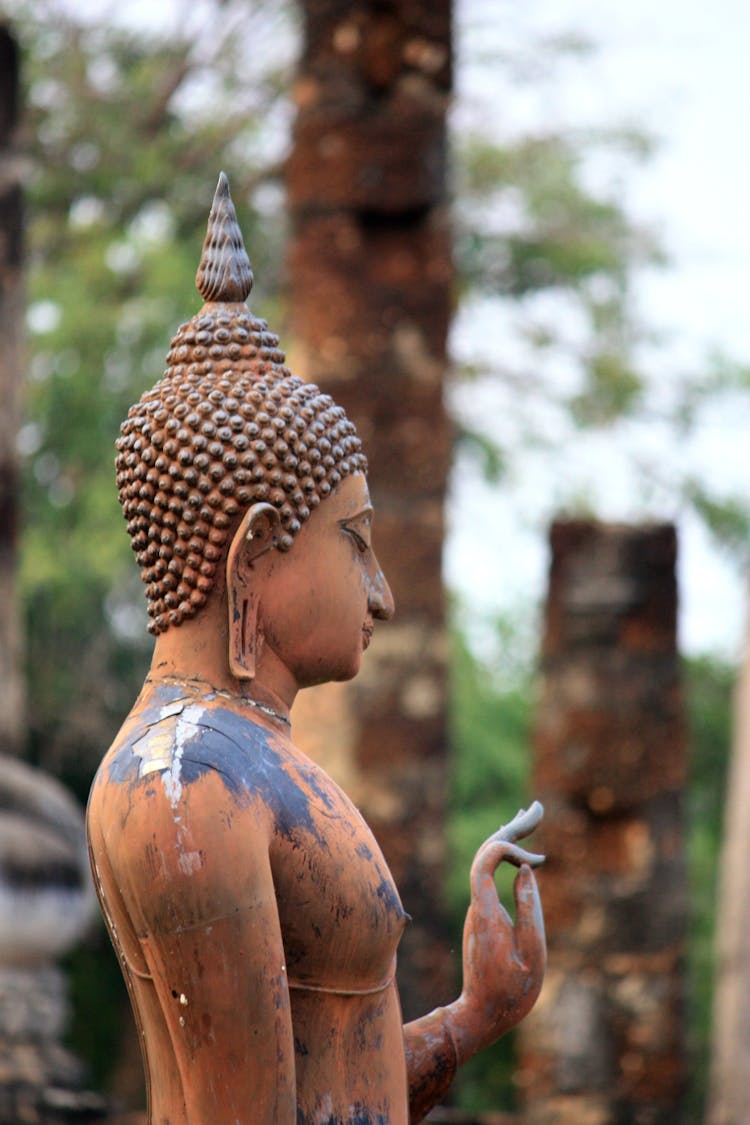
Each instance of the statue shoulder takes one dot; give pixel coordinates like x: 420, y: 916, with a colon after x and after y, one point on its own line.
x: 189, y: 739
x: 194, y: 762
x: 179, y: 808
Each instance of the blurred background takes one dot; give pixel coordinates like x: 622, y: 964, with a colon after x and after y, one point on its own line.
x: 513, y: 244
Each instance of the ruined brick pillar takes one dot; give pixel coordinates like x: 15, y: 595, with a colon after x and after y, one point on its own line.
x: 370, y: 277
x: 604, y: 1043
x: 11, y: 339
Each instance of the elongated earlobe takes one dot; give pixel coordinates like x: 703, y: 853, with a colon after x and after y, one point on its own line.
x: 255, y: 536
x: 243, y: 634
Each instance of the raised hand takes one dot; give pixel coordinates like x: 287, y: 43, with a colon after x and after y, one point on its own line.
x: 503, y: 963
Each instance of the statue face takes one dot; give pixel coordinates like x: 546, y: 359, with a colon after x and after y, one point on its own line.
x: 321, y: 599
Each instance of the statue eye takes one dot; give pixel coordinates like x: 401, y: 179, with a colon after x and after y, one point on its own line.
x: 362, y: 544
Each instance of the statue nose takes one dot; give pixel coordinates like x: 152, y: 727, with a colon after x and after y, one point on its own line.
x: 380, y: 602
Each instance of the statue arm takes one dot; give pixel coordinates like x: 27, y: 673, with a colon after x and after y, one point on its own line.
x: 503, y: 969
x: 196, y: 882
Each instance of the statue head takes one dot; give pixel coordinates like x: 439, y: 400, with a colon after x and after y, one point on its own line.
x: 227, y: 427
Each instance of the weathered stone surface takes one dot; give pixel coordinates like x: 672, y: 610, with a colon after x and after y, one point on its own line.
x: 372, y: 295
x: 362, y: 162
x: 605, y: 1041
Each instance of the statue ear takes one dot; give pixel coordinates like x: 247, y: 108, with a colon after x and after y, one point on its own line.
x: 255, y: 536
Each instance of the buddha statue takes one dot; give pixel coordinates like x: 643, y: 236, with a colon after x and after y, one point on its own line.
x: 251, y: 908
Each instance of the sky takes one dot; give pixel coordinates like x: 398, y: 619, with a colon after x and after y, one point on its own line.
x: 679, y: 71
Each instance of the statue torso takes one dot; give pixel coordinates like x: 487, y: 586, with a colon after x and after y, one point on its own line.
x: 210, y: 830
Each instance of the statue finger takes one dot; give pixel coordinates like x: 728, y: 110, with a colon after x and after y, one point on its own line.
x: 529, y: 928
x: 518, y: 856
x: 491, y: 855
x: 523, y: 823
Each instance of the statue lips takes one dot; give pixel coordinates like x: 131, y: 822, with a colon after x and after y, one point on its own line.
x: 367, y: 630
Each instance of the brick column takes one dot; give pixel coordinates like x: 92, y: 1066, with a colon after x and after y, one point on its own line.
x: 370, y: 282
x: 605, y: 1041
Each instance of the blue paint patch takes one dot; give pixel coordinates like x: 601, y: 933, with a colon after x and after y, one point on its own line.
x: 386, y: 892
x: 122, y: 767
x: 237, y: 750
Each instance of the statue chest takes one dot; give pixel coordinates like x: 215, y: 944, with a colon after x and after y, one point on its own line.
x: 340, y: 913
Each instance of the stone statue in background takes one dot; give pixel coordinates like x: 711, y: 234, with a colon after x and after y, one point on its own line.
x: 253, y: 912
x: 47, y: 905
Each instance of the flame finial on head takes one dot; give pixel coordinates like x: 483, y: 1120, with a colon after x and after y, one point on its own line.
x: 224, y: 273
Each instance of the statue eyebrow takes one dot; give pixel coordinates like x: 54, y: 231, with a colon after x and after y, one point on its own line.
x: 364, y: 513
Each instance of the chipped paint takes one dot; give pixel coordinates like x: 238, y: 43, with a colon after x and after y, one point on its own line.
x: 187, y: 727
x: 190, y: 862
x: 154, y: 748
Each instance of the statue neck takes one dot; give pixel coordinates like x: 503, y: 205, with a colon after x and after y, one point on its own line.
x: 198, y: 650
